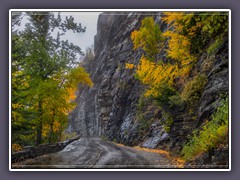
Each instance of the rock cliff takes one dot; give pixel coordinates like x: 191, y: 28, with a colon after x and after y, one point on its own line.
x: 114, y: 107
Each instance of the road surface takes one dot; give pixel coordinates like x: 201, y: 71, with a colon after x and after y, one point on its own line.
x: 91, y: 152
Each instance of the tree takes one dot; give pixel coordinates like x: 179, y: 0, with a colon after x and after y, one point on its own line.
x: 151, y: 70
x: 186, y: 36
x: 149, y: 38
x: 89, y: 54
x: 21, y: 125
x: 59, y: 101
x: 46, y: 63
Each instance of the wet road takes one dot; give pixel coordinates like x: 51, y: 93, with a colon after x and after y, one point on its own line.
x: 89, y: 152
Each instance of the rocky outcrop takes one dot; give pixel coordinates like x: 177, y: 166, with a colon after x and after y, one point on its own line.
x: 111, y: 107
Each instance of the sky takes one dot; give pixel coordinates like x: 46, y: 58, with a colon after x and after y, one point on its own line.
x: 87, y: 19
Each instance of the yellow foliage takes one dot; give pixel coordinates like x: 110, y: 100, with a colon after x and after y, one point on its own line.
x: 155, y: 75
x: 71, y: 92
x: 179, y: 44
x: 136, y: 40
x: 179, y: 47
x: 56, y: 126
x: 172, y: 18
x: 15, y: 116
x: 177, y: 20
x: 148, y: 38
x: 59, y: 98
x: 129, y: 66
x: 45, y: 130
x: 17, y: 106
x: 16, y: 147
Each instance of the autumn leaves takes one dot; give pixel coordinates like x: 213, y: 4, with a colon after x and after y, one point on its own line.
x: 45, y: 76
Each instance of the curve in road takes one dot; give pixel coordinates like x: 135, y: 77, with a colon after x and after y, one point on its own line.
x: 93, y: 152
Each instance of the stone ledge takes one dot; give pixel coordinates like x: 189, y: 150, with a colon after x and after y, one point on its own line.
x: 32, y: 152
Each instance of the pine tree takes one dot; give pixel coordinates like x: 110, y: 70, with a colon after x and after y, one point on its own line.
x: 45, y: 62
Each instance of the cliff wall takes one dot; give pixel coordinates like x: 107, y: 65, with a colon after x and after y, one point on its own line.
x: 114, y: 107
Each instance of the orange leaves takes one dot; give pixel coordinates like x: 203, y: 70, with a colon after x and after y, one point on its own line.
x: 183, y: 28
x: 56, y: 126
x: 180, y: 162
x: 72, y: 95
x: 129, y: 66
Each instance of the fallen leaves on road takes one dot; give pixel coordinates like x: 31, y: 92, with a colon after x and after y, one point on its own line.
x: 180, y: 162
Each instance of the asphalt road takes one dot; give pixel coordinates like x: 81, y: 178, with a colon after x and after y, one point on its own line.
x: 89, y: 152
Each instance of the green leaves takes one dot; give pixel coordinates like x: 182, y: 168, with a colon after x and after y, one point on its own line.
x: 210, y: 136
x: 177, y: 83
x: 214, y: 46
x: 149, y: 38
x: 215, y: 23
x: 193, y: 89
x: 45, y: 75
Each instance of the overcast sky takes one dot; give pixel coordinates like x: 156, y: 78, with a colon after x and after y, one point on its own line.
x: 87, y: 19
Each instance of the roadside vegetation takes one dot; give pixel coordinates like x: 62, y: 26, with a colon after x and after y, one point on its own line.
x: 176, y: 83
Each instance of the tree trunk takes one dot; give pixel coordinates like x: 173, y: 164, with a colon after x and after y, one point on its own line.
x: 50, y: 133
x: 51, y: 129
x: 39, y: 126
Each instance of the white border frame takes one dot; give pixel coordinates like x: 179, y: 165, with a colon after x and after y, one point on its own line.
x: 117, y: 10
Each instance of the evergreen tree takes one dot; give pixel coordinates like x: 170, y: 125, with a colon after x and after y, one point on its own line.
x: 47, y: 64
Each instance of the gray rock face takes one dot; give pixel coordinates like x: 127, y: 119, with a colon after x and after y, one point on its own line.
x: 158, y: 134
x: 110, y: 107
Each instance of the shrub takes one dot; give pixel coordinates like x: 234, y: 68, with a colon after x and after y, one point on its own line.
x: 214, y: 46
x: 176, y: 101
x: 168, y: 121
x: 212, y: 134
x: 16, y: 147
x: 193, y: 89
x: 142, y: 102
x: 166, y: 96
